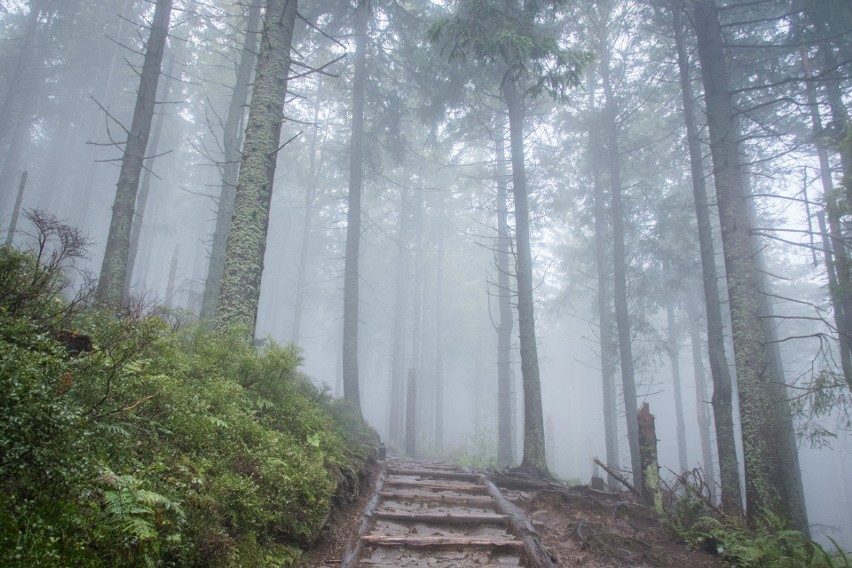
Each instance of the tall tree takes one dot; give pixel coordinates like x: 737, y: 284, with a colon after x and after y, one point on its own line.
x: 764, y: 467
x: 619, y: 251
x: 524, y: 61
x: 351, y: 388
x: 231, y: 139
x: 606, y: 328
x: 145, y: 187
x: 722, y: 400
x: 238, y: 297
x: 114, y: 267
x: 505, y: 440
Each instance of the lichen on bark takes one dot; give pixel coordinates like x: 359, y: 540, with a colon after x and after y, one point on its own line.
x: 246, y: 244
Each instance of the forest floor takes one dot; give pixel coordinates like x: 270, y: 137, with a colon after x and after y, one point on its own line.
x: 576, y: 525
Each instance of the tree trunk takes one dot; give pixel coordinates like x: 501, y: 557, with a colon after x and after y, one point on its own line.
x: 606, y: 331
x: 16, y: 210
x: 505, y: 450
x: 145, y: 188
x: 169, y: 300
x: 439, y: 351
x: 674, y: 359
x: 835, y: 253
x: 114, y: 267
x: 396, y: 416
x: 17, y: 78
x: 704, y: 426
x: 535, y: 458
x: 231, y: 139
x: 619, y: 253
x: 764, y: 467
x: 651, y: 492
x: 351, y: 390
x: 240, y: 292
x: 310, y: 198
x: 411, y: 416
x: 722, y: 399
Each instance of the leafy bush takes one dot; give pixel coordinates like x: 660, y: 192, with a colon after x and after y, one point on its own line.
x: 771, y: 544
x: 162, y: 445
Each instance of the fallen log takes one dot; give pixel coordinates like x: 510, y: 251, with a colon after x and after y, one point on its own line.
x: 353, y: 549
x: 538, y: 557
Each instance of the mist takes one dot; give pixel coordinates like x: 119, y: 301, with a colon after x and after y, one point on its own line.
x: 608, y: 178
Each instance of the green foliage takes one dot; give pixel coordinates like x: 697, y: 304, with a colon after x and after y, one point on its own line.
x: 177, y: 446
x: 514, y: 45
x: 771, y: 544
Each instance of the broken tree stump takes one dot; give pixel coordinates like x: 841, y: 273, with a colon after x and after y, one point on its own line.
x: 648, y: 455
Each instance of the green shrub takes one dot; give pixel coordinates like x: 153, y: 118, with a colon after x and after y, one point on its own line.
x: 162, y: 446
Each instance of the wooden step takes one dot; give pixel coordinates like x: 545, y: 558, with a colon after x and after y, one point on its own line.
x: 443, y: 542
x: 443, y: 498
x: 436, y: 486
x: 445, y: 518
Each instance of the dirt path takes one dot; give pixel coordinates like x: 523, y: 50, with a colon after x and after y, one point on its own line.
x: 442, y: 516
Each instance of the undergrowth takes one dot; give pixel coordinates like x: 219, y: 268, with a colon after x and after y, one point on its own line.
x: 770, y: 544
x: 128, y: 441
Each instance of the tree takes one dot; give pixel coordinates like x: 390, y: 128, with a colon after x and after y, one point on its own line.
x: 619, y: 253
x: 114, y: 267
x: 231, y: 139
x: 351, y: 389
x: 505, y: 440
x: 246, y: 244
x: 522, y: 61
x: 722, y: 399
x: 764, y: 468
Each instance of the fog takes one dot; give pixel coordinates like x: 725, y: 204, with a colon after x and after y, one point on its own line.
x: 429, y: 291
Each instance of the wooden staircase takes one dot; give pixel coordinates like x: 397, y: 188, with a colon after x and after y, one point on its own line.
x: 441, y: 516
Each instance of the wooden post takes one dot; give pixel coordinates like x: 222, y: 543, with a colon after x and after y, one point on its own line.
x: 648, y: 456
x: 17, y: 210
x: 411, y: 417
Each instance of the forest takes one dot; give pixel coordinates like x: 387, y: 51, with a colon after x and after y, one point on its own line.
x: 247, y: 240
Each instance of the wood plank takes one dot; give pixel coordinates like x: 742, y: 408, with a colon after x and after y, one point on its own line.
x: 435, y: 473
x: 446, y: 518
x: 442, y: 542
x: 436, y: 486
x: 429, y: 497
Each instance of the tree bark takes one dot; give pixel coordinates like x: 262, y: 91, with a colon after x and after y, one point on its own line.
x: 439, y: 345
x: 310, y: 198
x: 606, y: 331
x: 351, y: 390
x: 835, y: 252
x: 246, y: 245
x: 145, y: 187
x: 411, y: 415
x: 764, y: 481
x: 619, y: 254
x: 110, y: 289
x: 674, y: 359
x: 505, y: 442
x: 535, y: 458
x: 651, y: 492
x: 722, y: 399
x: 704, y: 426
x: 16, y: 210
x: 231, y: 139
x: 396, y: 420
